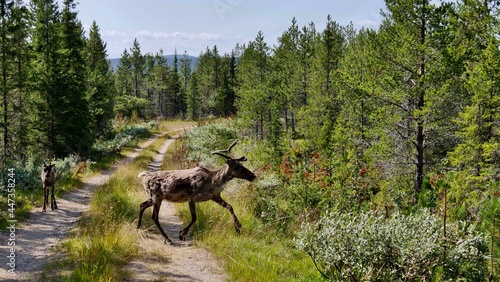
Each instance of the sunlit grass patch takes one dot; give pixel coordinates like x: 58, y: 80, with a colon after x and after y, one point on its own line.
x: 100, y: 254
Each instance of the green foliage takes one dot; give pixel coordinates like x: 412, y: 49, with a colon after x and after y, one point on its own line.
x: 129, y: 106
x: 366, y: 247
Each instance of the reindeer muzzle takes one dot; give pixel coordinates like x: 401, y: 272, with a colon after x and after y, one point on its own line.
x: 252, y: 177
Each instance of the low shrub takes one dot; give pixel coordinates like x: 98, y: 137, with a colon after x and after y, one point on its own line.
x: 367, y: 247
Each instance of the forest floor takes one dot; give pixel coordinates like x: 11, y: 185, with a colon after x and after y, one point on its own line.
x: 36, y: 239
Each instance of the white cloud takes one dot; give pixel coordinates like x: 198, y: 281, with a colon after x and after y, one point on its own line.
x: 112, y: 33
x: 144, y: 34
x: 367, y: 23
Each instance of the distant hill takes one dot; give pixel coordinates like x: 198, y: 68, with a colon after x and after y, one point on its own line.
x: 170, y: 59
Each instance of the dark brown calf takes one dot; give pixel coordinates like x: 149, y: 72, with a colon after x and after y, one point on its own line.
x: 48, y: 180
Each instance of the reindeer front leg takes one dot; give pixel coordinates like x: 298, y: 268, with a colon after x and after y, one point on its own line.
x: 156, y: 212
x: 53, y: 204
x: 218, y: 199
x: 45, y: 197
x: 183, y: 233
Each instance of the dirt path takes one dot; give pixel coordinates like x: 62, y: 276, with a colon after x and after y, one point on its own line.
x: 36, y: 238
x: 181, y: 262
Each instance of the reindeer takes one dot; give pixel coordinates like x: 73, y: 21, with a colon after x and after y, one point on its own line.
x: 192, y: 185
x: 48, y: 180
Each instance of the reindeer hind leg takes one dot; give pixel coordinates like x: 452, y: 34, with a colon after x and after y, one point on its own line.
x: 183, y: 233
x: 143, y: 207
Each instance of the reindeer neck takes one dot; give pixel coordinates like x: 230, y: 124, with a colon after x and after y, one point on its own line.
x: 222, y: 175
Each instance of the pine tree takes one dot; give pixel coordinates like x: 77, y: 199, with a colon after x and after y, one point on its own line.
x: 175, y: 88
x: 475, y: 159
x: 185, y: 76
x: 318, y: 115
x: 124, y: 85
x: 193, y: 98
x: 407, y: 42
x: 45, y: 78
x: 17, y: 29
x: 137, y: 64
x: 74, y: 117
x: 254, y: 69
x: 4, y: 65
x: 286, y: 75
x: 100, y: 83
x: 227, y: 94
x: 161, y: 76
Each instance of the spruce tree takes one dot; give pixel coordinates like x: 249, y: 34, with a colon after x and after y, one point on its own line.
x: 74, y: 118
x: 185, y: 75
x: 254, y: 69
x: 46, y: 95
x: 100, y: 83
x: 17, y: 28
x: 123, y: 75
x: 178, y: 101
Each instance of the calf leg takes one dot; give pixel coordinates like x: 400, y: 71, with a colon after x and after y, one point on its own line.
x: 53, y: 204
x: 45, y: 197
x: 143, y: 207
x: 220, y: 201
x: 183, y: 233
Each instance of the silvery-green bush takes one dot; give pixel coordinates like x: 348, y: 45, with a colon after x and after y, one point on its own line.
x: 205, y: 139
x: 125, y: 137
x: 367, y: 247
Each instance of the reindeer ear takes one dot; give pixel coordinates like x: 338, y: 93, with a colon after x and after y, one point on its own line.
x: 242, y: 159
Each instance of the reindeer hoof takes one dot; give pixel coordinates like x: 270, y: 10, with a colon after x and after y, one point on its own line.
x: 182, y: 237
x: 168, y: 242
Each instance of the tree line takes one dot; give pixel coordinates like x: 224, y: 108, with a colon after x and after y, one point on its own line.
x: 56, y: 84
x: 414, y: 100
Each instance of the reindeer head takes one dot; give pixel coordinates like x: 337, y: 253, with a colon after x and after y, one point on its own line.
x: 47, y: 171
x: 236, y: 169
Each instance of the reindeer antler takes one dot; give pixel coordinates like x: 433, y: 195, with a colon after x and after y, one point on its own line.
x: 229, y: 155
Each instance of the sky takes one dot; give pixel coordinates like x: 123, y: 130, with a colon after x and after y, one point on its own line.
x: 192, y: 25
